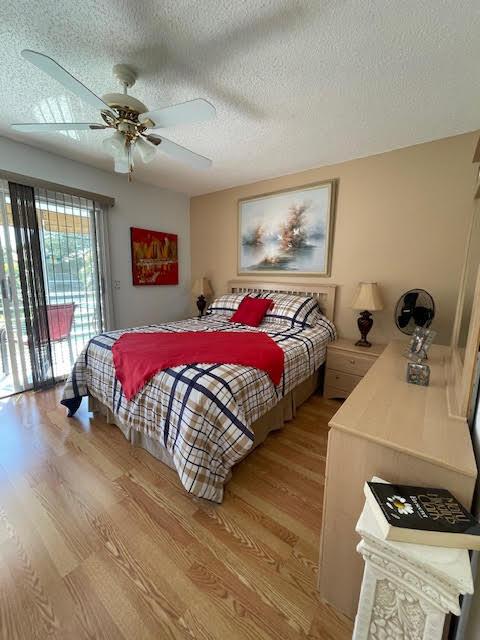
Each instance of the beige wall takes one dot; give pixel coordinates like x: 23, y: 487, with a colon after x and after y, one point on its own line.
x: 402, y: 220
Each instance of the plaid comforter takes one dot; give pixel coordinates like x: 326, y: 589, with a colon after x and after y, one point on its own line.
x: 201, y: 413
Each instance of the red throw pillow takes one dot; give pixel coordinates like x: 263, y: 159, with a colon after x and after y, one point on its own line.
x: 252, y: 311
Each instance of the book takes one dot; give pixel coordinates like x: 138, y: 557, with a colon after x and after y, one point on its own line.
x: 421, y: 515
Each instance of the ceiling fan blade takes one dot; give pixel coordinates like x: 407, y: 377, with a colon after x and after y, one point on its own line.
x: 61, y: 75
x: 191, y: 111
x: 45, y: 127
x: 180, y: 153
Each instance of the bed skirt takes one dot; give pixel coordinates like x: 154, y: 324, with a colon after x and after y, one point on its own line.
x: 273, y: 420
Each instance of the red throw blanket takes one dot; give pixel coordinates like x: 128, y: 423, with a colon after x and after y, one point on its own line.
x: 139, y: 356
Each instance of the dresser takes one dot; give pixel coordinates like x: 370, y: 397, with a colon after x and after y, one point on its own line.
x: 400, y: 432
x: 346, y: 365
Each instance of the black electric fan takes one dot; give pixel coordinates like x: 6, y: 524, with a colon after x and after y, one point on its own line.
x: 415, y: 308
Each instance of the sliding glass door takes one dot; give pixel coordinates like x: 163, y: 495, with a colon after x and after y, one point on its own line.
x: 70, y: 261
x: 70, y: 230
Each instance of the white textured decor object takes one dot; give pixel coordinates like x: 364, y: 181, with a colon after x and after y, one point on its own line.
x: 407, y: 589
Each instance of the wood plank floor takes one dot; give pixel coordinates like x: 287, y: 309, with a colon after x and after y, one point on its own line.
x: 99, y: 540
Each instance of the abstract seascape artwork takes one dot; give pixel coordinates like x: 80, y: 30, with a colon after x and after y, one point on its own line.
x: 287, y: 232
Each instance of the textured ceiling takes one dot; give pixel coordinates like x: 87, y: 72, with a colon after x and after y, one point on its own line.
x: 296, y: 84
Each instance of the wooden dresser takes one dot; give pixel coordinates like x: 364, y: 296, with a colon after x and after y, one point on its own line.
x: 346, y: 366
x: 399, y: 432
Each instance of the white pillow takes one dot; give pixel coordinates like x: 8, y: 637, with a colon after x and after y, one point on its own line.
x: 226, y: 305
x: 299, y: 311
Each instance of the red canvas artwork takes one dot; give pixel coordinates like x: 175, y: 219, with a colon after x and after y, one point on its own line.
x: 154, y: 257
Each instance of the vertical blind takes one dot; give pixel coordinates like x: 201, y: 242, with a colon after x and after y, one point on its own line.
x: 30, y: 272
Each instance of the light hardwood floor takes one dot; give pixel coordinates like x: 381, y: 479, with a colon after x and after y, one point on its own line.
x: 99, y: 540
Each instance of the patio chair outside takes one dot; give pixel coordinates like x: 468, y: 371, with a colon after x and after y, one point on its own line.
x: 60, y: 321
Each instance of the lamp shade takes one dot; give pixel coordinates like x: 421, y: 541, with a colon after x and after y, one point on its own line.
x: 201, y: 287
x: 367, y: 297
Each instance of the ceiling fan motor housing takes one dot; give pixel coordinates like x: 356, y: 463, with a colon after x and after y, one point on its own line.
x: 124, y: 102
x: 127, y: 77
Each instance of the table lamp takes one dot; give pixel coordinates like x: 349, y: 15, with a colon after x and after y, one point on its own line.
x: 201, y: 288
x: 366, y: 299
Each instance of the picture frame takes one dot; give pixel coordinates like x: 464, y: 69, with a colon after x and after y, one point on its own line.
x: 288, y: 232
x: 420, y: 342
x: 154, y: 257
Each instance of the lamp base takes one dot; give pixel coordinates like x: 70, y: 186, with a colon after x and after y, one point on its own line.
x: 365, y: 323
x: 201, y: 304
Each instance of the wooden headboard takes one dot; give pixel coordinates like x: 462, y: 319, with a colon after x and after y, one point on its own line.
x: 325, y: 293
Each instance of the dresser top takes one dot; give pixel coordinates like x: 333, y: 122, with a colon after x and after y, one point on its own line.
x: 410, y: 418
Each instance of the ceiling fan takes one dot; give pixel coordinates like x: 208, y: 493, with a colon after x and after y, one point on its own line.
x: 130, y: 118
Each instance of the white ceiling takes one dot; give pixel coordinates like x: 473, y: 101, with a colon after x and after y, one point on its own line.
x: 296, y: 84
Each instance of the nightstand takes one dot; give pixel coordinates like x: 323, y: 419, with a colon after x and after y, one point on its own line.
x: 346, y: 366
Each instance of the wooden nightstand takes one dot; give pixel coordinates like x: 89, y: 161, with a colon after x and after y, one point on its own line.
x: 346, y: 366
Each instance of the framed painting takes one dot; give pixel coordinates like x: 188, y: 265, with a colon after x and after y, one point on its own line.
x: 154, y: 257
x: 287, y: 232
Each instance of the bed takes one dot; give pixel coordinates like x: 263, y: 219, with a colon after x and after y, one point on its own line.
x: 201, y: 420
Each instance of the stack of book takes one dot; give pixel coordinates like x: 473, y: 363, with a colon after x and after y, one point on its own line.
x: 422, y: 515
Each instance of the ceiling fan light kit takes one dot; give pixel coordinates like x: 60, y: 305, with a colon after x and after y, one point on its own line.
x: 127, y: 116
x: 121, y: 165
x: 146, y: 150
